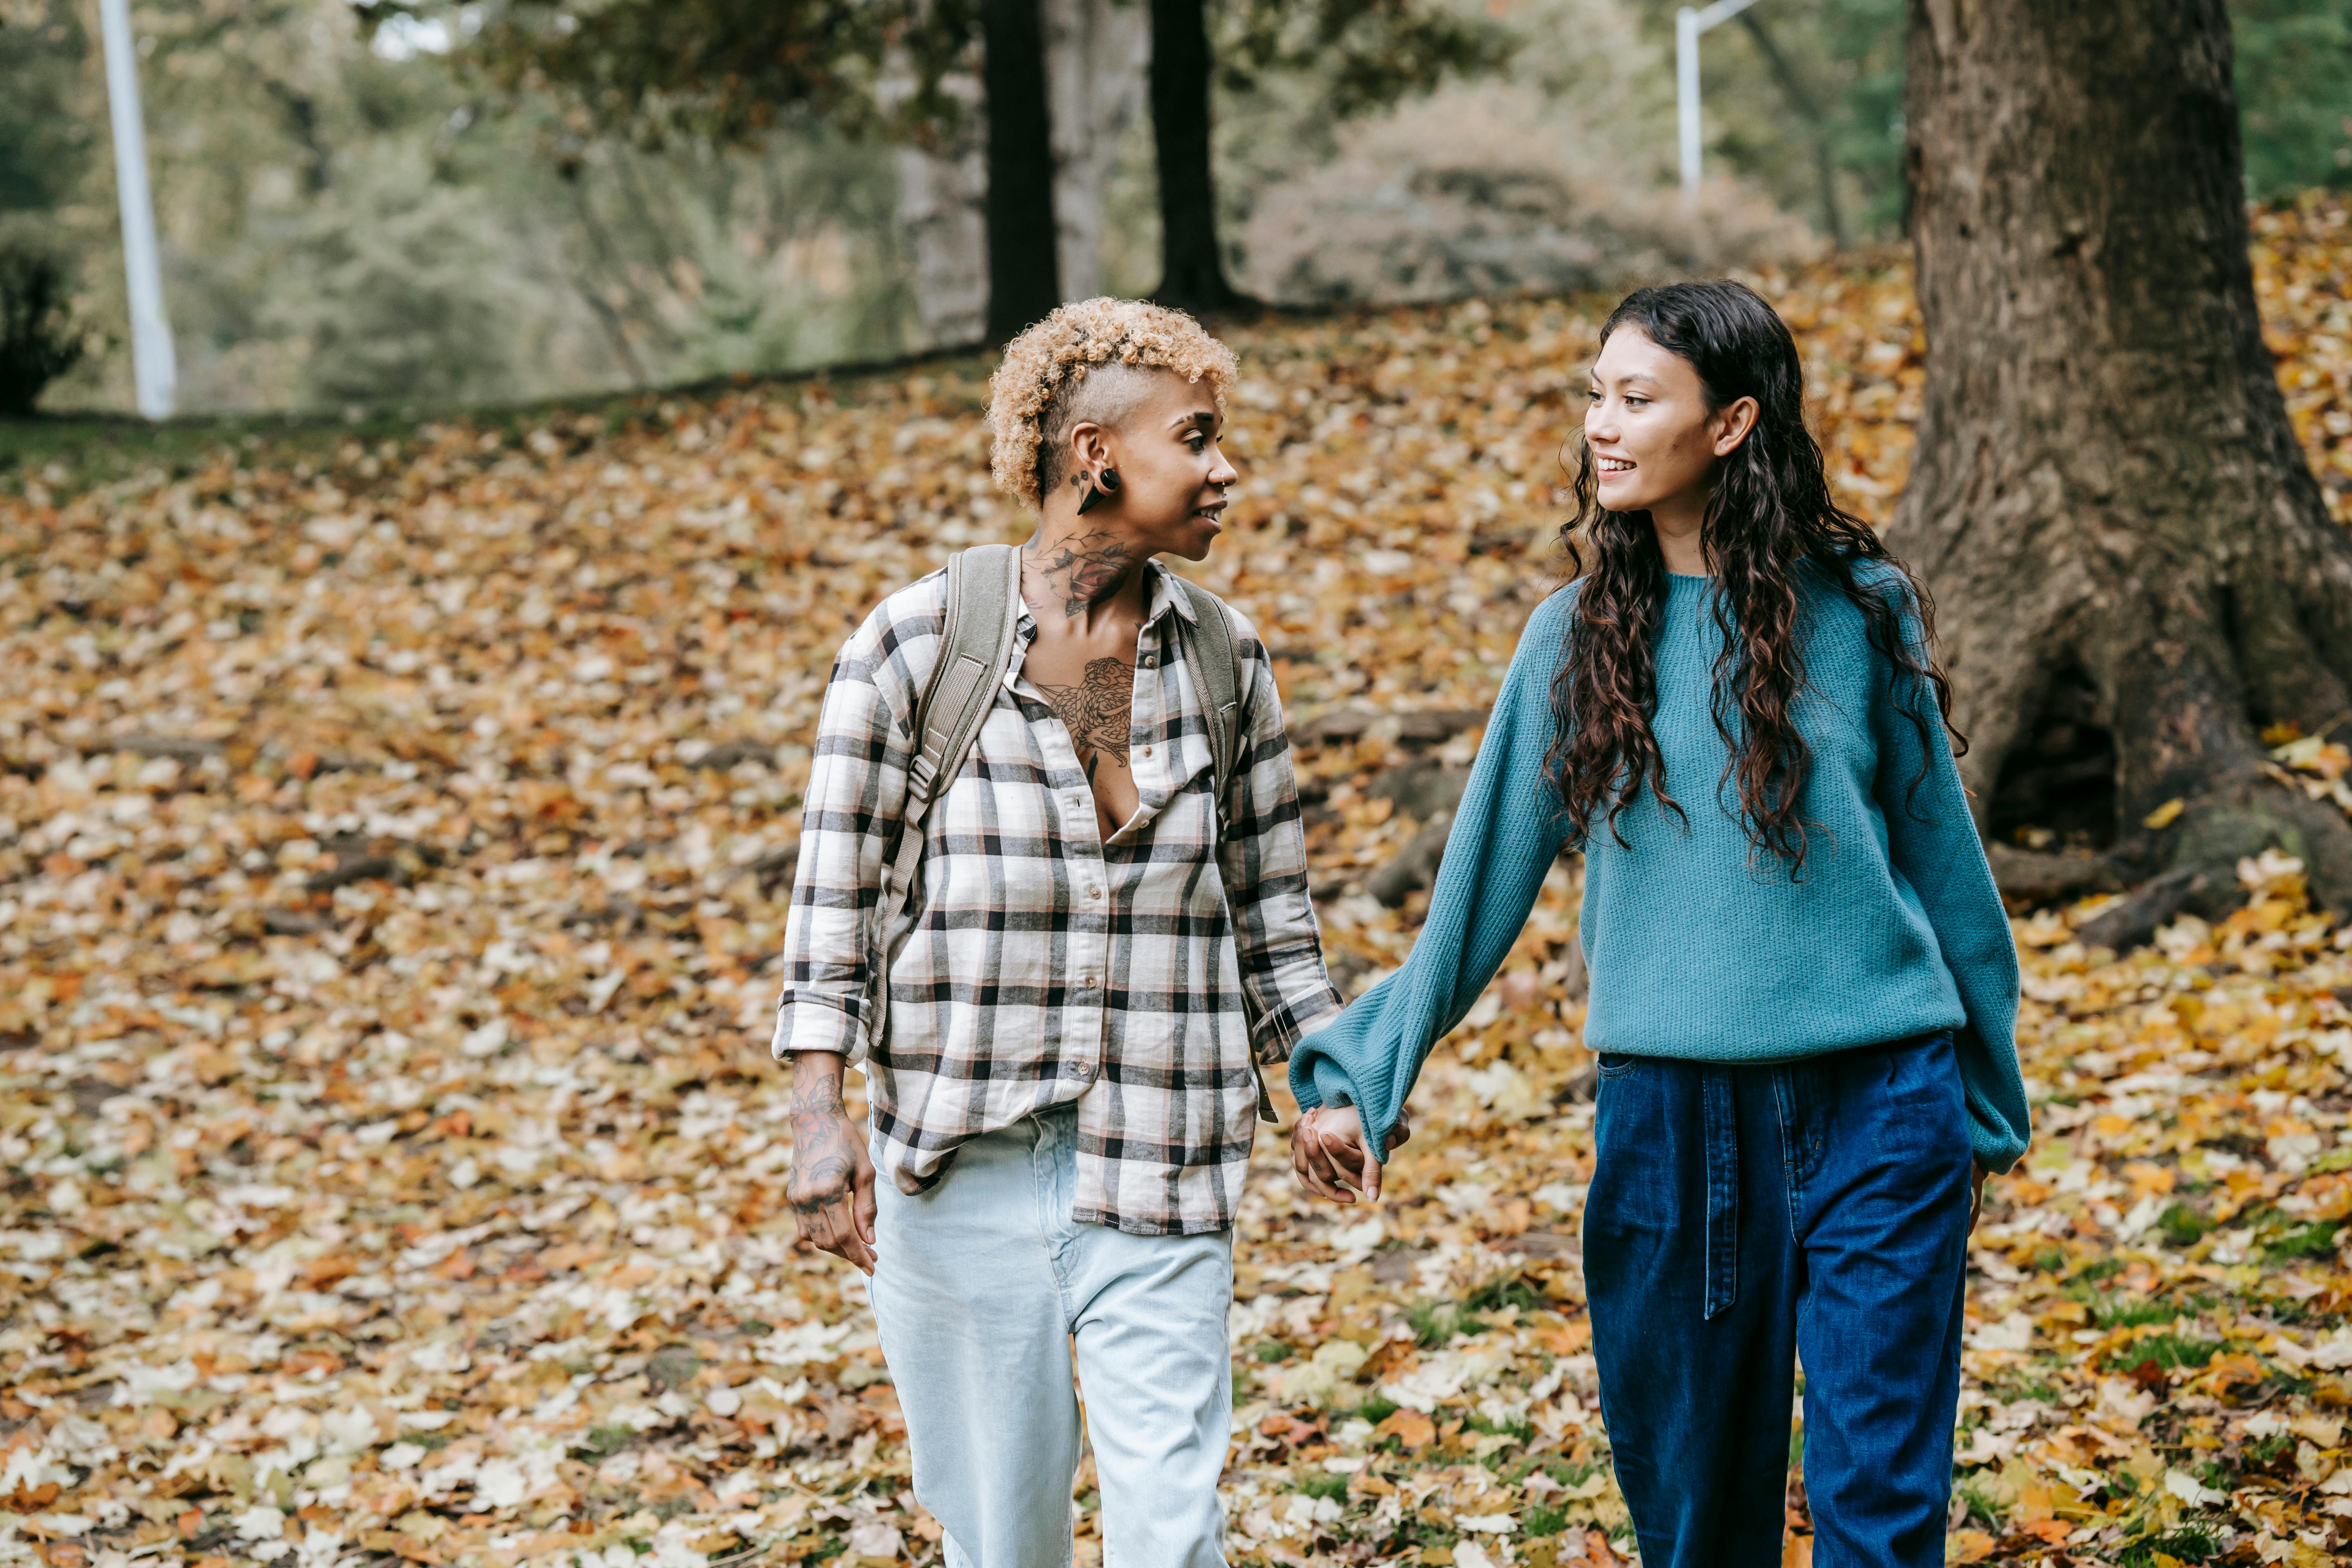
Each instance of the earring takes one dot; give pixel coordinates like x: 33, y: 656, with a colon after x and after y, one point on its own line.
x: 1101, y: 490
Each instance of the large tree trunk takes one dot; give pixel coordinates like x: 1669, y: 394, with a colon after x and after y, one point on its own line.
x: 1096, y: 54
x: 1023, y: 286
x: 1192, y: 272
x: 2134, y: 568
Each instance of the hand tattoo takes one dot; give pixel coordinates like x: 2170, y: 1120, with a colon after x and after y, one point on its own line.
x: 1099, y: 711
x: 821, y: 1132
x: 1084, y: 568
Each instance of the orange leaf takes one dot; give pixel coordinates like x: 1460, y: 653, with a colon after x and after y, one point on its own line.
x: 1409, y: 1427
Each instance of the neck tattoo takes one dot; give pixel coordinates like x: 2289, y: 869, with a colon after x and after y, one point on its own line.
x: 1083, y: 568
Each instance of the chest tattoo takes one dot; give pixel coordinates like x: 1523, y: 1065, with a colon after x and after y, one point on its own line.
x: 1097, y: 712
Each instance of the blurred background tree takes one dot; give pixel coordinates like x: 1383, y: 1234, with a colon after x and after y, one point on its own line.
x: 408, y: 206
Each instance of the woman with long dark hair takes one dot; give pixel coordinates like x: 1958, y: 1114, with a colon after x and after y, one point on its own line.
x: 1804, y: 987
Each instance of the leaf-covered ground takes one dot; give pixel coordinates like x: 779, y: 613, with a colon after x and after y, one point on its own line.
x: 392, y: 850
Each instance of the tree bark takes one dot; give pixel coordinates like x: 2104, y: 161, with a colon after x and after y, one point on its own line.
x: 2134, y: 568
x: 1192, y: 271
x: 1023, y: 284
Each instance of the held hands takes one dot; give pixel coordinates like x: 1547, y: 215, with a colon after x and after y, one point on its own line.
x: 832, y: 1184
x: 1327, y: 1151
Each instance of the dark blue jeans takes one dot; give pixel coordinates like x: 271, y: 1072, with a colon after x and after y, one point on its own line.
x: 1742, y: 1217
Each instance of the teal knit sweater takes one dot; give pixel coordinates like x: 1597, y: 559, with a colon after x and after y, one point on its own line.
x: 1698, y: 947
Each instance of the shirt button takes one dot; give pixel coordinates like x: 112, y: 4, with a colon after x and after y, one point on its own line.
x: 1088, y: 983
x: 1147, y: 750
x: 1093, y: 892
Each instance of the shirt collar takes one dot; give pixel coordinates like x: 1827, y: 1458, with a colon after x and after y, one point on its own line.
x: 1166, y: 596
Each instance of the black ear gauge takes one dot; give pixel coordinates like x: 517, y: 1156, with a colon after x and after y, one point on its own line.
x: 1099, y: 491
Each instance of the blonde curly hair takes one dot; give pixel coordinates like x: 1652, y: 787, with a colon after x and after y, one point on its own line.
x: 1080, y: 365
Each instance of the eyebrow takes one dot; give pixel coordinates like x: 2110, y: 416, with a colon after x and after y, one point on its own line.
x: 1204, y: 417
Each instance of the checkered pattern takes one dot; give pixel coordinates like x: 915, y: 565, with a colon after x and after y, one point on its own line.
x: 1038, y: 963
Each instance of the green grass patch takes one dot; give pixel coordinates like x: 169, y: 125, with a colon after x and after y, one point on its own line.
x: 2181, y: 1225
x: 606, y: 1441
x: 2122, y: 1311
x: 2263, y: 1450
x: 2092, y: 1274
x: 1982, y: 1509
x: 1434, y: 1323
x: 2315, y: 1240
x: 1334, y: 1487
x: 1510, y: 1290
x: 2170, y: 1351
x: 1539, y: 1522
x: 1569, y: 1475
x: 1376, y: 1409
x: 2011, y: 1387
x: 1272, y: 1351
x: 2189, y: 1543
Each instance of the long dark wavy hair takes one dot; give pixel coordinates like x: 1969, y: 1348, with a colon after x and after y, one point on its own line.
x: 1769, y: 521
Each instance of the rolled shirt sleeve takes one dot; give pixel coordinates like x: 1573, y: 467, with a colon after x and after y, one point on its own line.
x: 1262, y: 858
x: 850, y: 820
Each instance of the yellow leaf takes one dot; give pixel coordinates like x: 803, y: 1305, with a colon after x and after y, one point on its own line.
x: 2166, y: 815
x: 1968, y: 1546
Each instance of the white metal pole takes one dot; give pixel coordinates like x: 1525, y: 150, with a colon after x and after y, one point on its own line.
x: 153, y: 371
x: 1686, y: 96
x: 1689, y: 26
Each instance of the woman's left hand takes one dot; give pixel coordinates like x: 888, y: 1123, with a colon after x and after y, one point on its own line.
x: 1977, y: 1175
x: 1328, y: 1153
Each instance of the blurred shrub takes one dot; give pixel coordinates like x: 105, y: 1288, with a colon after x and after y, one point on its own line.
x: 1467, y: 193
x: 38, y: 339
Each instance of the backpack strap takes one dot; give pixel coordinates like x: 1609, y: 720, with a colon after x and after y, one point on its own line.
x: 1217, y: 666
x: 984, y: 606
x: 983, y: 603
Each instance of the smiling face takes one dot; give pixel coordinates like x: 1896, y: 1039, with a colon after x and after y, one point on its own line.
x: 1654, y: 440
x: 1172, y: 477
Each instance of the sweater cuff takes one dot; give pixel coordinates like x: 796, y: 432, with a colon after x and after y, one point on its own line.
x: 1331, y: 1083
x: 1996, y: 1151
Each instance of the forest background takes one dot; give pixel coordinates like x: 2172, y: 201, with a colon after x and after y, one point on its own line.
x: 350, y: 219
x: 396, y: 816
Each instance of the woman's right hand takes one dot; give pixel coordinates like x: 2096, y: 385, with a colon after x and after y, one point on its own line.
x: 1328, y: 1155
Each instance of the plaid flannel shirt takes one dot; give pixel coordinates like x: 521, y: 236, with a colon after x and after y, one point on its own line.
x: 1039, y: 963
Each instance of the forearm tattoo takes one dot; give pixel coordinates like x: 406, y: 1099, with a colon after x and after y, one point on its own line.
x: 1099, y: 711
x: 1084, y: 568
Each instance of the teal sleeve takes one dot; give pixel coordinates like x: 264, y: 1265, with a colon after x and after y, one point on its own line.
x: 1932, y: 843
x: 1331, y: 1085
x: 1505, y: 835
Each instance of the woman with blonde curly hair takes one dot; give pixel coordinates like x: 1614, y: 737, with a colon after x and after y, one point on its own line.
x: 1061, y: 956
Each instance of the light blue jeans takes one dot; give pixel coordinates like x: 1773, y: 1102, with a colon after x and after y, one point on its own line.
x: 981, y: 1288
